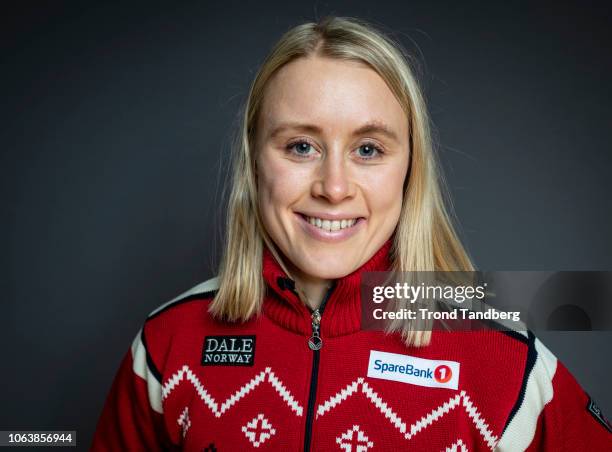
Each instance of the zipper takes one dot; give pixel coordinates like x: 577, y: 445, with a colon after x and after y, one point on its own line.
x: 314, y: 343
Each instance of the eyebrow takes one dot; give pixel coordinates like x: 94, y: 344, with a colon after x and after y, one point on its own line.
x: 375, y: 126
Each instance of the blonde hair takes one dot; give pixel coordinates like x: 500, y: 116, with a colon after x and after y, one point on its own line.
x: 424, y: 239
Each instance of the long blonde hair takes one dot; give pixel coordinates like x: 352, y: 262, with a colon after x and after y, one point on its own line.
x: 424, y: 239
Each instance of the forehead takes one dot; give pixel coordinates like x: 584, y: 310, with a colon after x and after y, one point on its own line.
x: 331, y: 93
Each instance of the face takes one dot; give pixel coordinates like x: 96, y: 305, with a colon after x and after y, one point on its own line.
x: 332, y: 152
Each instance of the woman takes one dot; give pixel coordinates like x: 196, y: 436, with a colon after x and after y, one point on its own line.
x: 334, y: 176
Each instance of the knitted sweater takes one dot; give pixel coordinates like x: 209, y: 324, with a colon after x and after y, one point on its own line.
x: 190, y: 382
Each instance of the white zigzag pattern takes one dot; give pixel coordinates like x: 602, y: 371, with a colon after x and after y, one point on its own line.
x: 384, y: 408
x: 455, y: 447
x: 460, y: 399
x: 339, y: 397
x: 434, y: 415
x: 185, y: 373
x: 480, y: 423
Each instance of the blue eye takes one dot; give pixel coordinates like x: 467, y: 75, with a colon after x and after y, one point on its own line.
x: 300, y: 148
x: 368, y: 151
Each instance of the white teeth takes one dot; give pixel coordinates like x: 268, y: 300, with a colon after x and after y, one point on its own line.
x: 331, y: 225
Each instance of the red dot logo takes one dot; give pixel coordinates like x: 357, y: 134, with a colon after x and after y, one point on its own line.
x: 443, y: 373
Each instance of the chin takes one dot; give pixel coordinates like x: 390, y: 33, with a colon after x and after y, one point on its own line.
x: 328, y: 268
x: 340, y: 273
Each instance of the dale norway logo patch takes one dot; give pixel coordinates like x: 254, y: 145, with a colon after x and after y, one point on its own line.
x: 228, y: 351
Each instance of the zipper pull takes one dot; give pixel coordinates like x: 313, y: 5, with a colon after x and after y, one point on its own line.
x: 315, y: 342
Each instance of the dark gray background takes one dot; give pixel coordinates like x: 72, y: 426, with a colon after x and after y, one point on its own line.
x: 117, y: 119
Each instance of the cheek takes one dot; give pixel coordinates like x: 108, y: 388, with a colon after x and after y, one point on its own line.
x: 384, y: 188
x: 280, y: 184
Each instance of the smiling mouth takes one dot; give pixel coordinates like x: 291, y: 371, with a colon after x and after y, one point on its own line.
x: 331, y: 225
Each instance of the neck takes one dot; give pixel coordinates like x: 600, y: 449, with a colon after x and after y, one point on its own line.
x: 311, y: 290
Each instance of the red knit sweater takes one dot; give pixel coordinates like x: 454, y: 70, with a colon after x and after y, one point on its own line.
x: 190, y: 382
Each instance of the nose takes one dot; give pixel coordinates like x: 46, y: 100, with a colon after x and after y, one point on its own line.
x: 333, y: 180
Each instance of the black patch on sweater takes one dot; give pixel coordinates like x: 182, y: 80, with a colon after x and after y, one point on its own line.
x: 598, y: 414
x: 228, y: 350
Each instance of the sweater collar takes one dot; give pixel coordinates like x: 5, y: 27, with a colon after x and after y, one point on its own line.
x: 342, y: 312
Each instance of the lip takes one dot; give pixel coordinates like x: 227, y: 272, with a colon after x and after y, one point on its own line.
x: 329, y: 236
x: 330, y: 216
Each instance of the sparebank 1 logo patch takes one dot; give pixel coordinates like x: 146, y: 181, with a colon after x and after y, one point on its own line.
x: 443, y: 373
x: 410, y: 369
